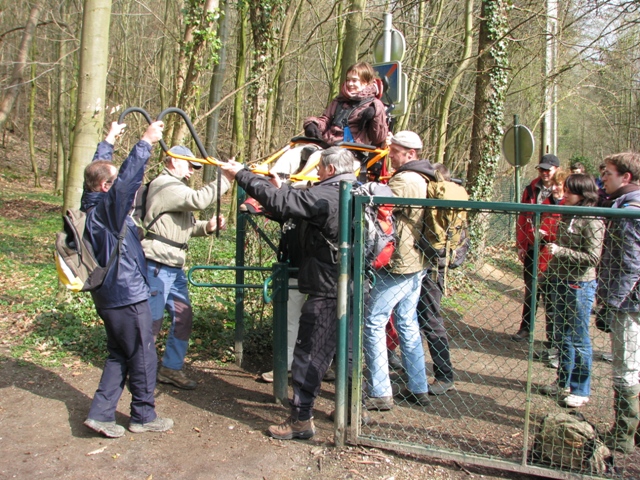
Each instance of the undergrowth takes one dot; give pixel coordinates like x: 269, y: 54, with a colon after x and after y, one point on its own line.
x: 42, y: 323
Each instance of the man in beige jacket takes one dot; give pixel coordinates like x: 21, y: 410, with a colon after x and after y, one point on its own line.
x: 397, y: 289
x: 170, y: 223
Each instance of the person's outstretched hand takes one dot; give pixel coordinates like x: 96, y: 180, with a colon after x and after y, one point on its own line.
x: 230, y: 169
x: 154, y: 133
x: 115, y: 131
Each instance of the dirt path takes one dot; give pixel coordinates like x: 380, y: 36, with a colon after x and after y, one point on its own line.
x: 219, y: 433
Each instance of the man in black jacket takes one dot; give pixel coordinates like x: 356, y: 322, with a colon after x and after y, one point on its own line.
x: 122, y: 300
x: 316, y: 210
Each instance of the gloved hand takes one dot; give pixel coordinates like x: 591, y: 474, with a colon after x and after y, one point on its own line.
x: 604, y: 318
x: 366, y: 116
x: 312, y: 131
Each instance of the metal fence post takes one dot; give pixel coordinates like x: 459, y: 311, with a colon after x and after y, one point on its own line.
x: 342, y: 352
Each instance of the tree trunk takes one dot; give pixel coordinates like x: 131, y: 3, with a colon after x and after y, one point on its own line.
x: 353, y: 24
x: 238, y: 138
x: 61, y: 107
x: 21, y: 61
x: 92, y: 82
x: 290, y: 19
x: 215, y: 91
x: 32, y: 114
x: 447, y: 97
x: 488, y: 114
x: 423, y: 52
x: 190, y: 64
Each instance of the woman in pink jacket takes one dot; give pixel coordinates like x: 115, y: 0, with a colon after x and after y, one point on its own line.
x: 356, y: 114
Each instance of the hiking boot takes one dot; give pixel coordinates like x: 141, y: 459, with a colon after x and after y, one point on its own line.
x: 330, y: 375
x: 394, y: 361
x: 382, y: 404
x: 438, y: 387
x: 293, y: 428
x: 554, y: 390
x: 573, y: 401
x: 108, y: 429
x: 365, y: 418
x: 176, y: 378
x: 521, y: 335
x: 157, y: 425
x: 421, y: 399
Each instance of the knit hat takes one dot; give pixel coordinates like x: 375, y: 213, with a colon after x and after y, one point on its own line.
x: 185, y: 152
x: 407, y: 139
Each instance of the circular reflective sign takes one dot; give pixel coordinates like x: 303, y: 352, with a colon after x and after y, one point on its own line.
x: 525, y: 144
x: 398, y: 47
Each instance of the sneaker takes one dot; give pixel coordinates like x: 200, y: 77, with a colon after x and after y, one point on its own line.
x: 394, y: 361
x: 157, y: 425
x: 176, y: 378
x: 108, y: 429
x: 521, y: 335
x: 421, y: 399
x: 382, y: 404
x: 267, y: 377
x: 292, y: 428
x: 545, y: 354
x: 554, y: 390
x: 573, y: 401
x: 438, y: 387
x: 553, y: 362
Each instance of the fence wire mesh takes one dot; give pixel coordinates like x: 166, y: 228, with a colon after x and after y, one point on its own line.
x: 491, y: 382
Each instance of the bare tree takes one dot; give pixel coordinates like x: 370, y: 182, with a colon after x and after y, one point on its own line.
x: 20, y: 64
x: 92, y: 84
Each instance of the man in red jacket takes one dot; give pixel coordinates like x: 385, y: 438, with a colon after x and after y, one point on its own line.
x: 537, y: 192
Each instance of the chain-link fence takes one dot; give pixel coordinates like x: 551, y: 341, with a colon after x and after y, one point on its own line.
x: 494, y: 376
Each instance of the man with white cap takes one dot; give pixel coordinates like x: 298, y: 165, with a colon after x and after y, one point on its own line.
x: 397, y: 288
x: 169, y: 224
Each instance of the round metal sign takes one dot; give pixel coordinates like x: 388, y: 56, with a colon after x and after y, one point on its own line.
x: 525, y: 144
x: 398, y: 47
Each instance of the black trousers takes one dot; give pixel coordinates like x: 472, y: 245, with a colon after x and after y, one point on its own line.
x: 132, y: 353
x: 432, y: 324
x: 314, y: 350
x: 525, y: 324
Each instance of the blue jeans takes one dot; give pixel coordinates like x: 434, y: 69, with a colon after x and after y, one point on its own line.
x: 398, y: 294
x: 569, y: 306
x: 169, y: 292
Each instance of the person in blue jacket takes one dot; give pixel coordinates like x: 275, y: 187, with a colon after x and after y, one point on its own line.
x: 122, y: 300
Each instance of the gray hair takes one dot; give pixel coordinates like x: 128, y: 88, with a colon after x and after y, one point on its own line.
x: 341, y: 158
